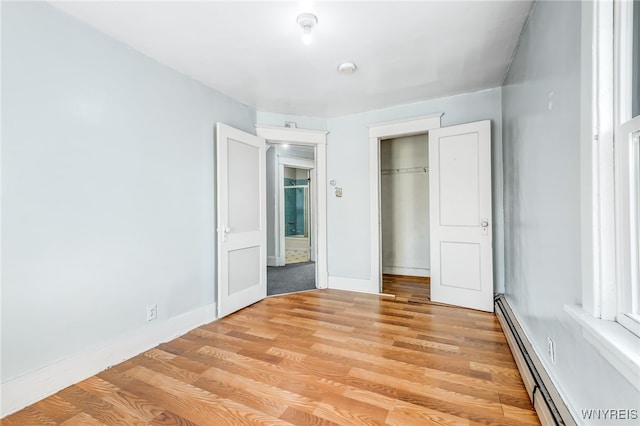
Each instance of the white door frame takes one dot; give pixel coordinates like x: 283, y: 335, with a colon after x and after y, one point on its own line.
x: 394, y: 129
x: 317, y: 139
x: 298, y: 163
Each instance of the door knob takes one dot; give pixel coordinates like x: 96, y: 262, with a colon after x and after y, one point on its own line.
x: 484, y: 224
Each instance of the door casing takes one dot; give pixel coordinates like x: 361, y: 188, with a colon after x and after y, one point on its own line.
x: 317, y: 139
x: 396, y: 129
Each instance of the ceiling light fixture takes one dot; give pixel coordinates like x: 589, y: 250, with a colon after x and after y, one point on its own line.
x: 347, y: 68
x: 306, y: 22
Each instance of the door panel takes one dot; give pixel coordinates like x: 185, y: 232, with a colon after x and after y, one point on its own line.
x: 458, y: 165
x: 244, y: 269
x: 243, y: 172
x: 241, y: 213
x: 460, y: 215
x: 452, y: 255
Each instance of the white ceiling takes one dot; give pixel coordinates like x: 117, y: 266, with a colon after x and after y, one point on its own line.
x: 252, y: 51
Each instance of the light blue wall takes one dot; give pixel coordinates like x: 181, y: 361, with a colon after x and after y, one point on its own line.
x: 107, y: 187
x: 302, y: 121
x: 348, y: 163
x: 348, y: 225
x: 543, y: 97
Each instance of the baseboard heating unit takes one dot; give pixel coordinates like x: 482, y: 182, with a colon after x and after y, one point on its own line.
x: 544, y: 396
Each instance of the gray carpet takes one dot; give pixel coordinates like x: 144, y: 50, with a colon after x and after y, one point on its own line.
x: 290, y: 278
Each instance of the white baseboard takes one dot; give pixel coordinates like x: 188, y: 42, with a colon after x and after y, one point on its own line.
x: 354, y: 284
x: 275, y: 261
x: 413, y: 272
x: 32, y: 387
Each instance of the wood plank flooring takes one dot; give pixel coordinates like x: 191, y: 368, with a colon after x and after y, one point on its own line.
x: 407, y: 288
x: 316, y: 358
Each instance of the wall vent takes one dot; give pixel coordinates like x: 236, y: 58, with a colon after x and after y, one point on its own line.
x: 544, y: 396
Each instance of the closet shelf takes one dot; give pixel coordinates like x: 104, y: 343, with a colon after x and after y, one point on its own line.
x: 404, y: 170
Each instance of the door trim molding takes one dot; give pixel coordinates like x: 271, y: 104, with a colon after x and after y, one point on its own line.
x: 377, y: 132
x: 317, y: 139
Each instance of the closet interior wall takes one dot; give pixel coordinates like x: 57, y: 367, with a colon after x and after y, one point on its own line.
x: 404, y: 192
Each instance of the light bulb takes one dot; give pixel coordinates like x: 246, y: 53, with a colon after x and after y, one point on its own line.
x: 306, y: 22
x: 306, y: 36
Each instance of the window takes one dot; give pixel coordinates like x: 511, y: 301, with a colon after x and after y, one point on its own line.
x: 627, y: 163
x: 635, y: 48
x: 610, y: 311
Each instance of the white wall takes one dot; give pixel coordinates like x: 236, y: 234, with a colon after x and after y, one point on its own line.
x: 107, y: 188
x: 290, y: 173
x: 404, y: 197
x: 543, y: 97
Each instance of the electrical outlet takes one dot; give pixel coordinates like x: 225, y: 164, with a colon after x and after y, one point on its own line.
x: 152, y: 312
x: 551, y: 350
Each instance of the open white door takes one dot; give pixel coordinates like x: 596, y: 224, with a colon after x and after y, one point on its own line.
x: 460, y: 215
x: 241, y: 211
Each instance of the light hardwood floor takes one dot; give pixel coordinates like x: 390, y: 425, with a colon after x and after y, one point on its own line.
x: 319, y: 357
x: 407, y: 288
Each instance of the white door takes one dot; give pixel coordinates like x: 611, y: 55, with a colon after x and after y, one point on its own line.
x: 241, y: 210
x: 460, y: 215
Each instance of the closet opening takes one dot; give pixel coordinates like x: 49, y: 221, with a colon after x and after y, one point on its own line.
x: 404, y: 217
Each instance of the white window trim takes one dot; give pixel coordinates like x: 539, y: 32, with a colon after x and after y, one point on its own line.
x: 614, y: 342
x: 599, y: 315
x: 626, y: 208
x: 625, y: 180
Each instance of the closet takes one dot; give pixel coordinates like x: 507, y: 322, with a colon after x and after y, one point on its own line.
x: 404, y: 196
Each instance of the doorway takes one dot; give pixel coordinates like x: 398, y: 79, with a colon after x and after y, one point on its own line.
x: 291, y: 242
x: 316, y: 140
x: 460, y: 208
x: 242, y: 215
x: 297, y: 215
x: 404, y: 217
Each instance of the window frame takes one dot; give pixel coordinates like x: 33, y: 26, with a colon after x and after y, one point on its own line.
x: 626, y: 135
x: 606, y: 186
